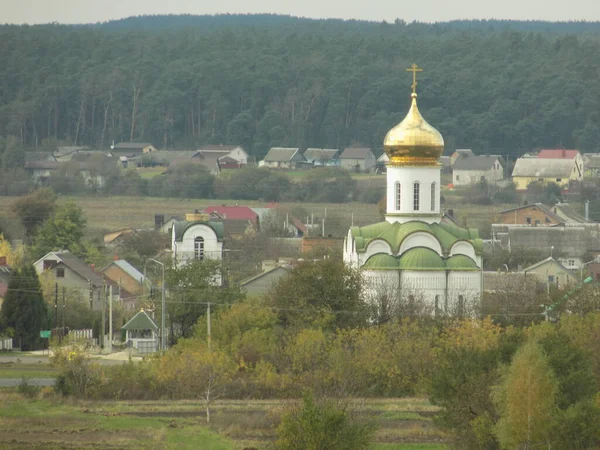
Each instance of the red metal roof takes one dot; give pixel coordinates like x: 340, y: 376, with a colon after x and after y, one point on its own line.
x: 558, y: 153
x: 233, y: 212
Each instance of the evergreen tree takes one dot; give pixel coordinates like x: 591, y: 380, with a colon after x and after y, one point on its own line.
x: 24, y: 310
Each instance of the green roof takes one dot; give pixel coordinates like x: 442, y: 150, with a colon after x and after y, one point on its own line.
x: 420, y: 259
x: 461, y: 262
x: 382, y: 261
x: 395, y: 233
x: 181, y: 227
x: 141, y: 321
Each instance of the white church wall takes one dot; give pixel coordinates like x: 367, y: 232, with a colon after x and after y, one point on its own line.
x: 464, y: 292
x: 380, y: 282
x: 463, y: 248
x: 427, y: 285
x: 374, y: 247
x: 421, y: 239
x: 407, y: 176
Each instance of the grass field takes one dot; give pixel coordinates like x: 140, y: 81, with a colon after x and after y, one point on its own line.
x: 26, y: 370
x: 405, y: 424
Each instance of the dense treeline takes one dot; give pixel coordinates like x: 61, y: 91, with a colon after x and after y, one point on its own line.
x: 313, y: 84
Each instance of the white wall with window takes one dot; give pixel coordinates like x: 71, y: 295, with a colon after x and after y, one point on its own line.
x: 413, y: 193
x: 199, y: 241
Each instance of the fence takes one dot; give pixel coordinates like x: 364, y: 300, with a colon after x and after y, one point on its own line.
x: 6, y: 344
x: 84, y: 335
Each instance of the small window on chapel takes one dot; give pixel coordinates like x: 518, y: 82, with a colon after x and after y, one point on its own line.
x: 416, y: 195
x: 398, y: 196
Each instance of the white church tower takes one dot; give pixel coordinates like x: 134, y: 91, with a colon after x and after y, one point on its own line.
x: 414, y: 252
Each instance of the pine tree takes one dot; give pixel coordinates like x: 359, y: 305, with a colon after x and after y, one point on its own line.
x: 24, y: 309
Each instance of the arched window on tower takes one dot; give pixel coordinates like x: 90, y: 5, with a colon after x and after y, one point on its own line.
x: 398, y: 196
x: 199, y: 248
x: 433, y: 196
x: 416, y: 195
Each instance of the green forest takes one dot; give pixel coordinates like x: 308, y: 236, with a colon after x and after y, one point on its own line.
x: 263, y: 80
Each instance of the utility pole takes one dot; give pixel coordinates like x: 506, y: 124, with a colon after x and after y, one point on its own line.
x: 64, y: 309
x: 208, y: 326
x: 103, y: 302
x: 91, y: 294
x: 55, y: 305
x: 163, y: 340
x: 110, y: 318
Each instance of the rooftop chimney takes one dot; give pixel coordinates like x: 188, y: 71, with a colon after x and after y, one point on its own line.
x: 116, y: 257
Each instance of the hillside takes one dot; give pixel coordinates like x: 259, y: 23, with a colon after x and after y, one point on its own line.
x: 261, y: 81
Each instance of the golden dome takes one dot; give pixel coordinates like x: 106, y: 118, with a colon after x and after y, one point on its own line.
x: 413, y: 142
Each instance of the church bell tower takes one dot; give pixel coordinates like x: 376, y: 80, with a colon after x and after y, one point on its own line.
x: 413, y: 171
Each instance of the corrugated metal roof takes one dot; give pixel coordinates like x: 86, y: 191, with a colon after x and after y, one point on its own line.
x: 543, y: 167
x: 280, y: 154
x: 131, y: 145
x: 477, y: 162
x: 355, y: 153
x: 320, y: 154
x: 129, y: 270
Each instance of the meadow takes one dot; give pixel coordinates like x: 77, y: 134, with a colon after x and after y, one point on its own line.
x: 52, y: 422
x: 112, y: 213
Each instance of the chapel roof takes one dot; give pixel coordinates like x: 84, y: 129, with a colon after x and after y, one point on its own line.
x: 395, y: 233
x: 420, y: 259
x: 181, y: 227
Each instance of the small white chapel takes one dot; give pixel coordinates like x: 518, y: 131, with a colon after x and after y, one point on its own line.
x: 414, y: 252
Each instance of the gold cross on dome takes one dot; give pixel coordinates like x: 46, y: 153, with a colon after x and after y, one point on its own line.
x: 414, y: 69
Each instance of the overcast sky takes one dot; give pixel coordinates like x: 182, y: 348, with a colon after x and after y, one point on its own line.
x: 86, y: 11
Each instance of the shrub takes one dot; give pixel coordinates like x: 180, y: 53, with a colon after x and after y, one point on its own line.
x: 27, y: 389
x: 323, y: 424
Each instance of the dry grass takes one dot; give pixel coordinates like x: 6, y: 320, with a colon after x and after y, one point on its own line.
x: 58, y: 423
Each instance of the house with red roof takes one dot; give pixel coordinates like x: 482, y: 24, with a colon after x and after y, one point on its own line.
x: 237, y: 220
x: 561, y: 153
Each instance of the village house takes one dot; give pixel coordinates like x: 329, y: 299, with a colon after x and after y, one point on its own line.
x: 272, y: 272
x: 568, y: 243
x: 131, y: 148
x: 460, y: 153
x: 79, y: 279
x: 591, y: 165
x: 127, y: 277
x: 536, y: 214
x: 237, y: 220
x: 112, y: 237
x: 540, y: 215
x: 282, y: 158
x: 360, y: 159
x: 573, y: 155
x: 469, y: 170
x: 235, y: 152
x: 165, y: 224
x: 551, y: 273
x: 545, y: 170
x: 322, y: 156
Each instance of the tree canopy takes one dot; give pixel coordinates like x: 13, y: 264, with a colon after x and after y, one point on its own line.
x: 262, y: 81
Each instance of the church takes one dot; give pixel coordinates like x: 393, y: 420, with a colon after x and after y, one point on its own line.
x: 414, y: 254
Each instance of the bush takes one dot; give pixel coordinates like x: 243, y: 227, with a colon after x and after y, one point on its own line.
x: 27, y: 389
x: 323, y: 424
x: 371, y: 195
